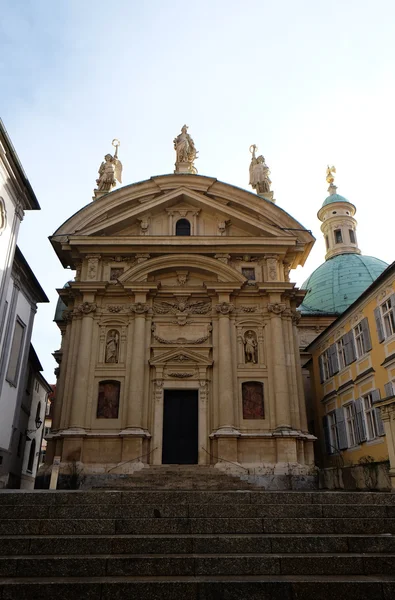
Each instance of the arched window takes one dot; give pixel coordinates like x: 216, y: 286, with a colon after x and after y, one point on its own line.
x: 38, y: 412
x: 32, y: 454
x: 183, y: 227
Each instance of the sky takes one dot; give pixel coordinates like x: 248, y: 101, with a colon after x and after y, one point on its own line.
x: 311, y: 83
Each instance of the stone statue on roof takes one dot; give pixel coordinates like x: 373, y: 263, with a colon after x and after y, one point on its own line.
x: 185, y: 152
x: 110, y: 171
x: 259, y: 173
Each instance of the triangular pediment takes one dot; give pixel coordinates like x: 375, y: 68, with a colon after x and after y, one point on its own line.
x: 180, y: 356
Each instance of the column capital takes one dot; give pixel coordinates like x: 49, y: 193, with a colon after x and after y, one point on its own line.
x: 277, y: 308
x: 139, y: 308
x: 224, y: 308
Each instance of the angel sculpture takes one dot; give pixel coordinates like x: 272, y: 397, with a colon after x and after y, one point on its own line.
x: 329, y: 175
x: 110, y: 170
x: 259, y: 173
x: 182, y: 306
x: 185, y: 150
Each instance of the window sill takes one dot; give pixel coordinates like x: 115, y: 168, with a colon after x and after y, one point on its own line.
x: 375, y: 441
x: 390, y: 338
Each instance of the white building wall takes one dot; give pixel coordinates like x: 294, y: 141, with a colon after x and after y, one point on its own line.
x: 9, y: 392
x: 40, y: 395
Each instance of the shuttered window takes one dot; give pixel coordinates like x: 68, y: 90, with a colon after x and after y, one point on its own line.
x: 349, y: 415
x: 363, y: 341
x: 387, y: 312
x: 341, y: 353
x: 374, y: 424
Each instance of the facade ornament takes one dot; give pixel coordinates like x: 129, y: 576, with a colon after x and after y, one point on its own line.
x: 248, y: 309
x: 112, y: 346
x: 222, y: 226
x: 225, y: 308
x: 110, y: 172
x: 272, y: 268
x: 250, y: 347
x: 3, y: 216
x: 186, y: 152
x: 287, y: 271
x: 118, y: 258
x: 93, y: 266
x: 330, y: 178
x: 247, y: 258
x: 144, y: 225
x: 180, y: 375
x: 182, y: 305
x: 276, y: 308
x: 259, y: 173
x: 85, y: 308
x: 224, y: 258
x: 67, y: 315
x: 182, y: 277
x: 140, y: 258
x: 139, y: 308
x: 180, y: 341
x: 115, y: 308
x: 296, y: 316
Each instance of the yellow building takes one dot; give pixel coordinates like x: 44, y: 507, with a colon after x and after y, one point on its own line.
x: 352, y: 368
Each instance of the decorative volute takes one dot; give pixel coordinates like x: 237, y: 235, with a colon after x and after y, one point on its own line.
x: 338, y: 223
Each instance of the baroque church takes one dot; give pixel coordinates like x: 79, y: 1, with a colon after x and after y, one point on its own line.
x: 181, y: 331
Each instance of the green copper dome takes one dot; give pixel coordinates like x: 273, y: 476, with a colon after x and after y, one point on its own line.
x: 335, y: 198
x: 339, y: 281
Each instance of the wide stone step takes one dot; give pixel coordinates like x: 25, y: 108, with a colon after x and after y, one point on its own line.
x: 200, y: 544
x: 277, y: 587
x: 201, y: 565
x: 192, y: 525
x: 129, y: 511
x: 43, y: 498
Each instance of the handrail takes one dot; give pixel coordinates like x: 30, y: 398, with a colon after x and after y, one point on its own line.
x: 224, y: 460
x: 132, y: 459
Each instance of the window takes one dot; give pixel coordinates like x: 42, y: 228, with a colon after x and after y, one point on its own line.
x: 19, y: 448
x: 38, y: 412
x: 32, y: 455
x: 333, y: 439
x: 183, y: 227
x: 338, y: 236
x: 324, y: 366
x: 362, y: 338
x: 248, y: 273
x: 327, y: 242
x: 15, y: 355
x: 370, y: 417
x: 349, y: 416
x: 385, y: 318
x: 388, y: 317
x: 341, y: 352
x: 352, y: 236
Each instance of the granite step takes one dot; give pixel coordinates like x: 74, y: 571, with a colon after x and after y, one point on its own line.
x: 232, y: 497
x: 273, y: 587
x: 129, y: 511
x: 172, y: 565
x: 193, y: 525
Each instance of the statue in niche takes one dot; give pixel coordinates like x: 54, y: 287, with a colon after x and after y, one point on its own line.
x: 112, y: 346
x: 253, y: 401
x: 250, y: 347
x: 185, y: 149
x: 108, y: 400
x: 259, y: 173
x: 110, y: 171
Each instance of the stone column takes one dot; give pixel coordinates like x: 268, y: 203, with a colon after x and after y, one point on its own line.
x: 134, y: 419
x: 283, y: 418
x: 81, y: 382
x: 225, y: 375
x: 299, y: 376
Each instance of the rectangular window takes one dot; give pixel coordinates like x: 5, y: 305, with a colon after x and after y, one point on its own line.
x: 349, y: 416
x: 334, y: 442
x: 370, y: 417
x: 359, y: 340
x: 248, y: 273
x: 388, y: 317
x: 15, y: 355
x: 338, y: 236
x: 352, y: 236
x: 341, y: 352
x: 325, y: 365
x: 327, y: 242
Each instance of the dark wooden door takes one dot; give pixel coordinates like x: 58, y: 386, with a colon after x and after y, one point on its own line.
x: 180, y: 427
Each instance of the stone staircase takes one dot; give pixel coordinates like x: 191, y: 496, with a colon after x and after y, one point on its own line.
x: 195, y: 544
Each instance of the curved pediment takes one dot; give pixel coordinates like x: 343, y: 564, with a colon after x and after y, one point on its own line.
x: 204, y: 264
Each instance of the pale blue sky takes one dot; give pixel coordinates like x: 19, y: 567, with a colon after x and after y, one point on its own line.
x: 309, y: 82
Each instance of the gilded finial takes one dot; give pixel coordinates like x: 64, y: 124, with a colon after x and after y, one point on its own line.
x: 330, y: 179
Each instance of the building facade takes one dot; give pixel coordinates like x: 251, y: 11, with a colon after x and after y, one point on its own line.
x: 179, y: 338
x: 353, y: 369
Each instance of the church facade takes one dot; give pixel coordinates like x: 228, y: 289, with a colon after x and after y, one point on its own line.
x: 179, y: 340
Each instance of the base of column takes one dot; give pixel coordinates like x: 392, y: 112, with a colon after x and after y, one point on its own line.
x: 135, y: 431
x: 226, y: 431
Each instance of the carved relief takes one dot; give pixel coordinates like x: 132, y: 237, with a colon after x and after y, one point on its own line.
x: 224, y: 258
x: 248, y: 309
x: 180, y: 375
x: 276, y: 308
x: 250, y: 347
x: 93, y: 266
x: 112, y: 346
x: 296, y: 316
x: 182, y: 277
x: 180, y: 341
x: 116, y: 272
x: 357, y: 317
x: 144, y: 225
x: 272, y: 269
x: 139, y: 308
x: 225, y: 308
x: 253, y: 400
x: 115, y: 308
x: 108, y: 400
x: 182, y: 305
x: 222, y: 226
x: 85, y: 308
x: 78, y: 267
x: 140, y: 258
